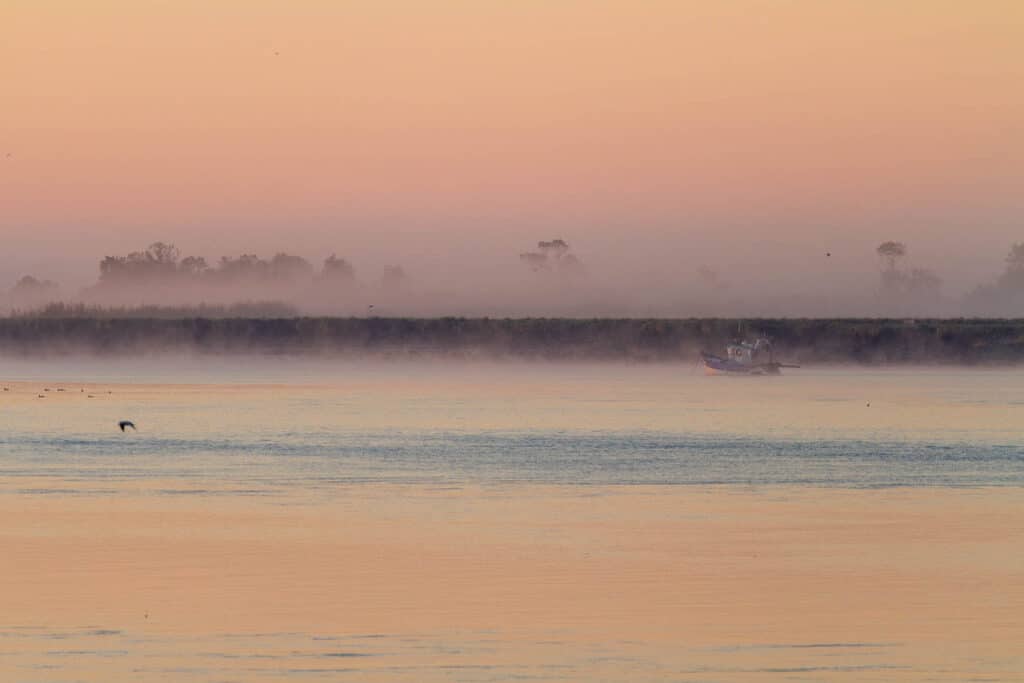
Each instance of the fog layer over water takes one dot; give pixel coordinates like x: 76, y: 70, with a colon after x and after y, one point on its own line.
x: 554, y: 277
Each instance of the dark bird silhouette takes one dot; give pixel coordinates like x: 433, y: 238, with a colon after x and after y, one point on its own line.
x: 828, y: 253
x: 126, y: 423
x: 41, y: 396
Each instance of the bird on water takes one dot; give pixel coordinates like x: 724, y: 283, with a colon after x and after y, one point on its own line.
x: 126, y: 423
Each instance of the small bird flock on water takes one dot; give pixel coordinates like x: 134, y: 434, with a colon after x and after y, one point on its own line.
x: 124, y: 425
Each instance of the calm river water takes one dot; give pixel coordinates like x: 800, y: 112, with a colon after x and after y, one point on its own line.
x: 285, y: 519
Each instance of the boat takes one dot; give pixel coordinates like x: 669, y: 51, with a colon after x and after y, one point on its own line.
x: 745, y: 358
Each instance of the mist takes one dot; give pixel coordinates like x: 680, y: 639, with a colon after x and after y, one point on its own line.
x: 549, y: 277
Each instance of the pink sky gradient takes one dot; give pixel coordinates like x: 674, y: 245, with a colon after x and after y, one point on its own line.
x: 652, y: 135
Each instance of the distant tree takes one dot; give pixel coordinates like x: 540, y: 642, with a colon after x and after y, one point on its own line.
x: 111, y: 267
x: 1005, y: 296
x: 30, y: 291
x: 553, y: 256
x: 337, y: 271
x: 891, y: 253
x: 894, y: 279
x: 159, y: 261
x: 290, y: 268
x: 193, y: 265
x: 163, y: 253
x: 556, y: 248
x: 1015, y: 259
x: 33, y: 286
x: 1013, y: 277
x: 245, y: 268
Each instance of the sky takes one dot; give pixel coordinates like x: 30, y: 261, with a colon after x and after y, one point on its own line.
x: 448, y: 136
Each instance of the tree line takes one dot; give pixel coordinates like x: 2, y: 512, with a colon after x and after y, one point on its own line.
x: 903, y: 288
x: 867, y: 341
x: 162, y: 263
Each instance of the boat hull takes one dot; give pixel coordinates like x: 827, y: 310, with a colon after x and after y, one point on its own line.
x: 716, y: 365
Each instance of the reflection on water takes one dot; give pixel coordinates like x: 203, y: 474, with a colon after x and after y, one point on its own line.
x: 292, y: 521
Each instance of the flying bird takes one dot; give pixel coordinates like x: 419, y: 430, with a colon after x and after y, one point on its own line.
x: 126, y: 423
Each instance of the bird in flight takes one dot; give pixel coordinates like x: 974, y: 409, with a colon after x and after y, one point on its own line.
x: 126, y: 423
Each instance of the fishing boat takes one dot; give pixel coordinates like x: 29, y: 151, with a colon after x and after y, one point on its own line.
x: 744, y: 358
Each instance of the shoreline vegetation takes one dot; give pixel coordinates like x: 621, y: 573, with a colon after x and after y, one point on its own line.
x: 276, y: 329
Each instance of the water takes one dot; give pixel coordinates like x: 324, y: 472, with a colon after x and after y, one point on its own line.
x: 584, y: 425
x: 281, y: 519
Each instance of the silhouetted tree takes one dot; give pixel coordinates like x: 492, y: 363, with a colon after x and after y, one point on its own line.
x: 553, y: 255
x: 32, y: 286
x: 894, y: 280
x: 557, y: 248
x: 337, y: 271
x: 246, y: 268
x: 163, y: 253
x: 159, y: 261
x: 290, y: 268
x: 891, y: 253
x: 193, y: 266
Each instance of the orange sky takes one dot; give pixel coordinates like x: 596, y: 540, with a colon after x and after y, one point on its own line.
x: 241, y: 125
